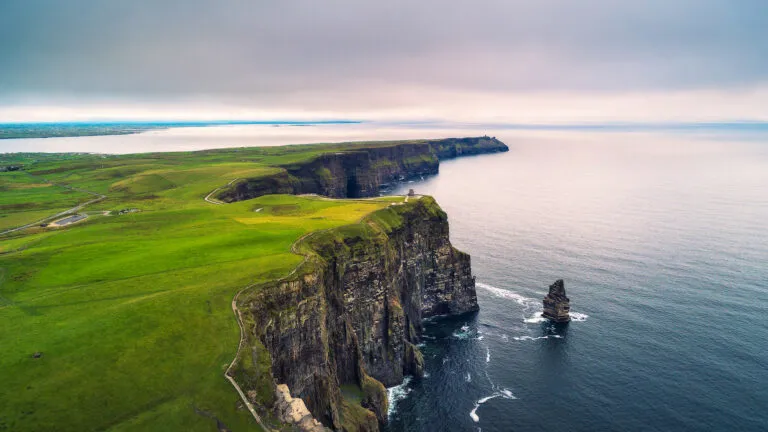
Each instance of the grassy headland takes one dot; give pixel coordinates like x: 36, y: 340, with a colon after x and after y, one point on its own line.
x: 123, y: 321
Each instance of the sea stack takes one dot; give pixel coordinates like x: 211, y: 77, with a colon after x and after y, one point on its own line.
x: 556, y: 304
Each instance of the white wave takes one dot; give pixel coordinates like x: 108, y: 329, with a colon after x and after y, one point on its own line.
x: 507, y: 394
x: 499, y: 292
x: 536, y: 318
x: 469, y: 377
x: 487, y: 354
x: 480, y: 337
x: 396, y: 394
x: 527, y: 302
x: 426, y: 374
x: 577, y: 316
x: 505, y: 337
x: 465, y: 332
x: 474, y: 415
x: 504, y: 393
x: 487, y: 398
x: 524, y: 338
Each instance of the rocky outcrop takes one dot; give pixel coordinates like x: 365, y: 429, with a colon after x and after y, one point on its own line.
x: 360, y: 171
x: 293, y: 411
x: 556, y: 304
x: 348, y: 322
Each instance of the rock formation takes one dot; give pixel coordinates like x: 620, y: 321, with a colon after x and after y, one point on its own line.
x: 556, y: 304
x: 351, y: 315
x: 294, y: 411
x: 360, y: 172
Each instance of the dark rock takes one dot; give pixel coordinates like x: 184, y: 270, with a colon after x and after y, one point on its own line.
x: 556, y: 304
x: 360, y: 172
x: 352, y: 315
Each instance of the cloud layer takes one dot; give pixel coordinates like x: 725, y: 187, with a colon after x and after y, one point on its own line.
x: 351, y: 56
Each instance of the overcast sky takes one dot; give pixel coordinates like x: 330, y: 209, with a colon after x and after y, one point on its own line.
x: 506, y: 60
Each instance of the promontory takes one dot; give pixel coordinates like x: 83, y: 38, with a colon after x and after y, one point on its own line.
x: 232, y: 289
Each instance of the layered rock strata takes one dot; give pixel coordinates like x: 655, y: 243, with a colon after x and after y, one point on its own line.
x: 360, y: 171
x: 348, y: 322
x: 557, y: 305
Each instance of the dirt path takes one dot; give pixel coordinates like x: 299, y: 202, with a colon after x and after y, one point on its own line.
x: 215, y: 201
x: 238, y: 317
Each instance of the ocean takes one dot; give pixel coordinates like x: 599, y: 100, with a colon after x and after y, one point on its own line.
x: 662, y: 240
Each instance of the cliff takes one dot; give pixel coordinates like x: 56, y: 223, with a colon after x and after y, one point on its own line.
x: 348, y: 321
x: 362, y: 171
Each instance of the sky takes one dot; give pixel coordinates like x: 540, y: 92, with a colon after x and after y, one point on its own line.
x: 518, y: 61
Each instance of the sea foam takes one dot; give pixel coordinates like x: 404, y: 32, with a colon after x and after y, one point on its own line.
x: 524, y: 338
x: 503, y: 393
x: 528, y: 304
x: 396, y: 394
x: 576, y: 316
x: 499, y: 292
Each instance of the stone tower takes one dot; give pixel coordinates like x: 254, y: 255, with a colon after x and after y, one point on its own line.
x: 556, y: 304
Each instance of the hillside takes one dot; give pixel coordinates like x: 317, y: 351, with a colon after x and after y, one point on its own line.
x: 123, y: 321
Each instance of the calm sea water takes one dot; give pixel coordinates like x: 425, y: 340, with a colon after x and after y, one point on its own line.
x: 662, y: 240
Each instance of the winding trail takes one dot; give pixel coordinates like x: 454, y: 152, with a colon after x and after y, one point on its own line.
x: 236, y: 311
x: 213, y: 200
x: 239, y: 318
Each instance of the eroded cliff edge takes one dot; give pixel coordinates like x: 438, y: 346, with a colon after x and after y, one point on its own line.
x: 348, y: 321
x: 361, y: 171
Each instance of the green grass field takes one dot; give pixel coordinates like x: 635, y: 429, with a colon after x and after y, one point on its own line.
x: 132, y: 313
x: 25, y: 199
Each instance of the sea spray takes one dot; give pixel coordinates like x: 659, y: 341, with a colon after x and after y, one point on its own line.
x: 531, y: 307
x: 396, y: 394
x: 503, y: 393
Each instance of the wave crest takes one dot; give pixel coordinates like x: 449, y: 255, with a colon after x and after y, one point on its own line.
x: 396, y: 394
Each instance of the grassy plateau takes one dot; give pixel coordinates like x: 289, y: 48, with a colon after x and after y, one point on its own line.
x: 123, y: 321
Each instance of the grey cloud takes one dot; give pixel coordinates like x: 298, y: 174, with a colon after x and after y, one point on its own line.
x: 272, y: 50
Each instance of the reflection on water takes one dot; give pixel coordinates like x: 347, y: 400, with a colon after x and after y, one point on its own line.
x: 662, y: 240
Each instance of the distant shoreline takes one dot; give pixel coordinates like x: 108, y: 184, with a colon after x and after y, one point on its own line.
x: 80, y: 129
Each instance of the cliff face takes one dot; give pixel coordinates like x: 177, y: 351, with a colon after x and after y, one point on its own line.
x: 348, y: 321
x: 361, y: 172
